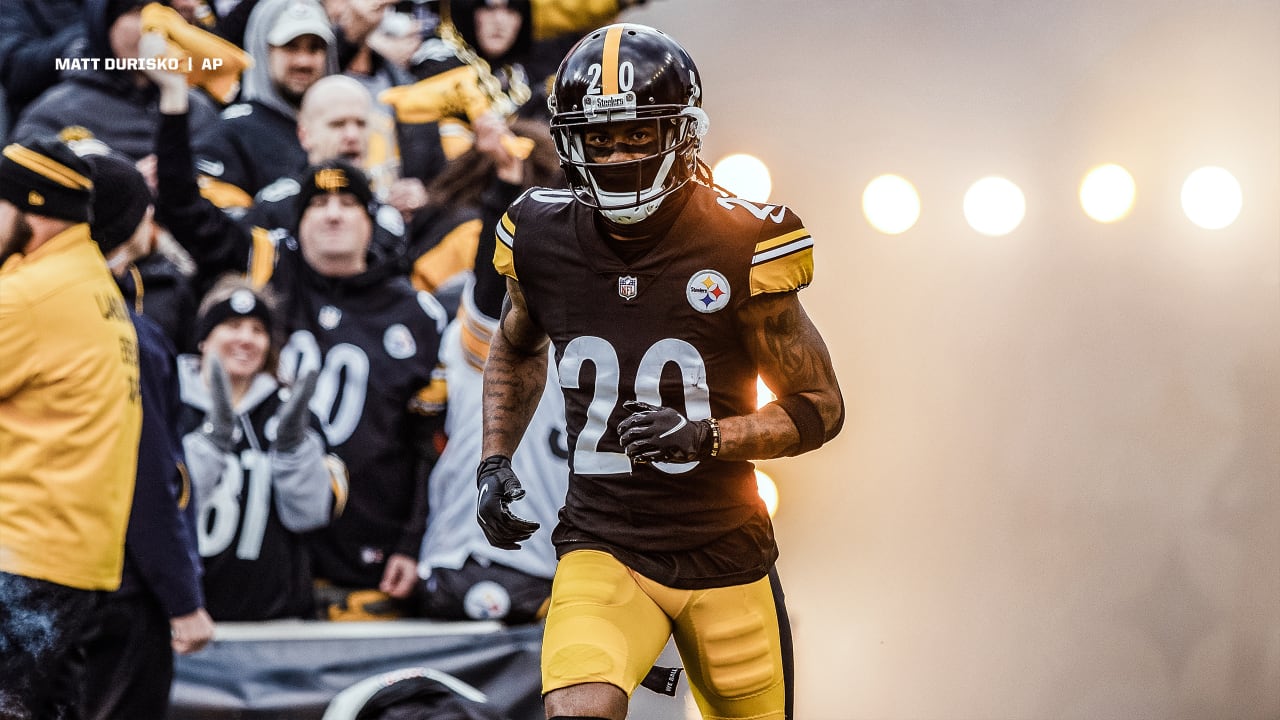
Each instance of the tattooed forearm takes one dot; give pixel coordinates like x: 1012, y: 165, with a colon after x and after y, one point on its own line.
x: 513, y: 384
x: 514, y: 375
x: 767, y: 433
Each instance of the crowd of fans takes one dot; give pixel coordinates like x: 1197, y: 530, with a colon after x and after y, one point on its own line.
x: 300, y: 221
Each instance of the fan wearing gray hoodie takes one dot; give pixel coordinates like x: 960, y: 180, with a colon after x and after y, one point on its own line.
x: 256, y: 140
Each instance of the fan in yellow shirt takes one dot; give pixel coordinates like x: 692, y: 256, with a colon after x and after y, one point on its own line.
x: 70, y: 418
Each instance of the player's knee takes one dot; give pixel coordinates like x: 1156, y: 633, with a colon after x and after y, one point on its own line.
x: 586, y: 701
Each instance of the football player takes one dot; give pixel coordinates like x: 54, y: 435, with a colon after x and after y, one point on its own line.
x: 664, y: 299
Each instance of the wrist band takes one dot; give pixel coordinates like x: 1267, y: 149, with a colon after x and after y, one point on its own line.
x: 715, y: 437
x: 808, y: 421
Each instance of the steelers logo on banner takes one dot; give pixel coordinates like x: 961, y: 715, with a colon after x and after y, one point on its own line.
x: 707, y: 291
x: 487, y: 600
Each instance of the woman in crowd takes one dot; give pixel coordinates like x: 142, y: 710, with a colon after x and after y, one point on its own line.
x: 257, y: 458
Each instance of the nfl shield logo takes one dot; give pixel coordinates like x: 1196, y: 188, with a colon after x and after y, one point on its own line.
x: 627, y: 287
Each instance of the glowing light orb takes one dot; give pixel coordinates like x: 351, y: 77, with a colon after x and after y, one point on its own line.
x: 1211, y: 198
x: 1107, y: 193
x: 994, y: 206
x: 745, y: 176
x: 891, y: 204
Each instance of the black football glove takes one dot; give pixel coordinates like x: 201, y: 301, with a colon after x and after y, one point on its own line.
x: 660, y: 434
x: 498, y: 488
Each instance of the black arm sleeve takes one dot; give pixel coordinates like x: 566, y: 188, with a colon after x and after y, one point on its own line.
x: 217, y: 243
x: 158, y: 540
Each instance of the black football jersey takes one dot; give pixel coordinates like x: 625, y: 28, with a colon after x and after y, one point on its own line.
x: 662, y: 329
x: 254, y: 567
x: 374, y: 340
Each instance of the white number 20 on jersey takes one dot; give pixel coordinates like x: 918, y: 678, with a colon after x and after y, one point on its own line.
x: 588, y: 459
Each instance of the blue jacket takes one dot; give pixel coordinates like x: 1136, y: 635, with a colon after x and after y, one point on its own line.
x: 160, y: 554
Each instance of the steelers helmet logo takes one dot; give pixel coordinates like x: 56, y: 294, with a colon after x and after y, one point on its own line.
x: 708, y: 291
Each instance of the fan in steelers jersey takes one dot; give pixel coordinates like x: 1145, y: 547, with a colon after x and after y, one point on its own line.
x: 663, y: 298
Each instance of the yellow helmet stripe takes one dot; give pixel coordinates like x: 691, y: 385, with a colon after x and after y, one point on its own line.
x: 609, y: 63
x: 50, y: 168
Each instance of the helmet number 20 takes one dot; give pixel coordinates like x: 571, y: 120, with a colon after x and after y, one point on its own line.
x: 626, y: 77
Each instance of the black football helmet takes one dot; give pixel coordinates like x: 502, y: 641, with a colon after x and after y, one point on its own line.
x: 618, y: 74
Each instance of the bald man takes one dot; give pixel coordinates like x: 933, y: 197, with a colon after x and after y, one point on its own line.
x: 333, y: 121
x: 339, y: 119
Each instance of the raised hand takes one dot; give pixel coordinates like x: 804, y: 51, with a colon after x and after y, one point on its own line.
x: 293, y: 415
x: 219, y: 424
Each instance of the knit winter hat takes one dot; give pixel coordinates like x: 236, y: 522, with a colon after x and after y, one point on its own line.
x: 334, y: 176
x: 120, y: 200
x: 44, y: 177
x: 239, y: 304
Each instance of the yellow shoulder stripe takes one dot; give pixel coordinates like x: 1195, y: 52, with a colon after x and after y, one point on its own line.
x: 782, y: 263
x: 433, y: 398
x: 339, y: 483
x: 503, y: 257
x: 771, y: 243
x: 475, y: 338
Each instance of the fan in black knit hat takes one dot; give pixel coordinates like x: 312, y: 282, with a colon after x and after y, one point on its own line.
x: 44, y: 177
x: 120, y: 200
x: 335, y: 176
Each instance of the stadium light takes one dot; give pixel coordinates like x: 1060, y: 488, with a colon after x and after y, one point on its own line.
x: 994, y: 206
x: 745, y: 176
x: 1107, y: 193
x: 891, y: 204
x: 1211, y: 198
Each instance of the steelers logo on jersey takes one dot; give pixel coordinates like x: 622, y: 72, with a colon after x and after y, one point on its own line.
x: 329, y: 317
x: 398, y: 342
x: 708, y: 291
